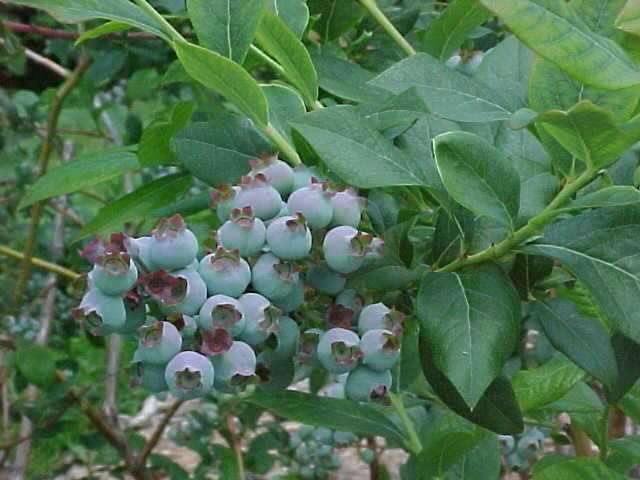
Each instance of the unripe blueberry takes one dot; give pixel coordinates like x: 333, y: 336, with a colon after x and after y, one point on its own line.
x: 473, y: 63
x: 103, y: 314
x: 314, y: 202
x: 325, y: 280
x: 275, y: 373
x: 158, y: 343
x: 347, y: 208
x: 364, y: 384
x: 260, y: 195
x: 323, y: 435
x: 293, y: 301
x: 304, y: 176
x: 352, y: 300
x: 274, y: 278
x: 195, y: 295
x: 222, y: 311
x: 235, y: 366
x: 225, y: 272
x: 261, y: 318
x: 344, y: 248
x: 454, y: 61
x: 289, y: 238
x: 380, y: 349
x: 507, y: 443
x: 516, y: 462
x: 283, y: 343
x: 338, y: 350
x: 169, y: 290
x: 140, y: 249
x: 186, y: 324
x: 243, y: 232
x: 189, y: 375
x: 308, y: 347
x: 150, y: 376
x: 136, y: 314
x: 277, y: 172
x: 344, y: 438
x: 530, y: 444
x: 222, y: 199
x: 173, y: 246
x: 114, y: 273
x: 379, y: 316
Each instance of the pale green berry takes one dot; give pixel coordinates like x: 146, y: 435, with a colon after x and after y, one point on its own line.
x: 338, y: 350
x: 195, y: 296
x: 274, y: 278
x: 314, y: 202
x: 364, y: 384
x: 189, y: 375
x: 261, y: 318
x: 345, y: 248
x: 278, y: 173
x: 347, y: 208
x: 173, y: 246
x: 379, y: 316
x: 158, y: 343
x: 103, y: 314
x: 222, y: 311
x: 243, y: 232
x: 325, y: 280
x: 256, y: 192
x: 235, y: 366
x: 114, y: 273
x: 380, y: 349
x: 225, y: 272
x: 289, y: 238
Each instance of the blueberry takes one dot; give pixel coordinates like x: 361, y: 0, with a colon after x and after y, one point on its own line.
x: 235, y: 366
x: 289, y: 238
x: 344, y: 438
x: 243, y: 232
x: 345, y: 248
x: 283, y: 343
x: 277, y: 172
x: 364, y: 384
x: 173, y: 246
x: 347, y: 208
x: 338, y: 350
x: 530, y: 444
x: 507, y: 443
x: 195, y: 295
x: 274, y: 278
x: 517, y: 462
x: 222, y: 311
x: 380, y: 349
x: 114, y: 273
x: 136, y: 313
x: 352, y: 300
x: 325, y: 280
x: 150, y: 376
x: 293, y: 301
x: 304, y: 176
x: 102, y: 314
x: 158, y: 343
x: 168, y: 290
x: 261, y: 318
x: 186, y: 324
x: 225, y: 272
x: 222, y: 199
x: 379, y: 316
x: 323, y: 435
x: 260, y: 195
x: 189, y: 375
x: 314, y: 202
x: 140, y: 250
x: 308, y: 347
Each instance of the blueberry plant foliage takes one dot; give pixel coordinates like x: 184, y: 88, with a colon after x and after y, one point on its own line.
x: 431, y: 207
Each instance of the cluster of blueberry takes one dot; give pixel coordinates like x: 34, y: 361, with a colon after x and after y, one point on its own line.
x: 314, y: 450
x: 227, y: 319
x: 522, y: 451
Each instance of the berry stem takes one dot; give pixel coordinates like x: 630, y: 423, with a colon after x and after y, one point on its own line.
x: 413, y: 443
x: 283, y: 144
x: 374, y: 10
x: 169, y: 29
x: 38, y: 262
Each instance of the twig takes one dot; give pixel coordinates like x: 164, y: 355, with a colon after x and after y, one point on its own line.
x: 67, y: 35
x: 40, y: 263
x: 43, y: 163
x: 581, y: 441
x: 44, y: 61
x: 157, y: 434
x: 236, y: 444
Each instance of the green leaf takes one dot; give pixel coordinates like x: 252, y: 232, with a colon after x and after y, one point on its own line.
x: 483, y: 461
x: 581, y: 338
x: 37, y: 363
x: 225, y: 26
x: 505, y: 68
x: 225, y: 77
x: 629, y: 18
x: 627, y: 352
x: 336, y: 16
x: 447, y: 32
x: 614, y: 196
x: 356, y: 152
x: 478, y: 176
x: 277, y: 40
x: 218, y: 151
x: 538, y: 387
x: 345, y: 79
x: 155, y: 144
x: 554, y: 31
x: 624, y: 454
x: 285, y: 105
x: 385, y: 279
x: 77, y: 11
x: 107, y: 28
x: 333, y: 413
x: 86, y: 171
x: 447, y: 93
x: 137, y: 204
x: 471, y: 321
x: 600, y: 16
x: 600, y: 247
x: 446, y: 440
x: 590, y: 133
x: 295, y: 13
x: 575, y: 469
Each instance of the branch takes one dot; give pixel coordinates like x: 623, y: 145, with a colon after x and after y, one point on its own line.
x: 157, y: 434
x: 43, y: 162
x: 44, y: 61
x: 38, y: 262
x: 67, y: 35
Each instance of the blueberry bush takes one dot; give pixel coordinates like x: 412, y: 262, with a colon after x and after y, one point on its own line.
x: 311, y: 239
